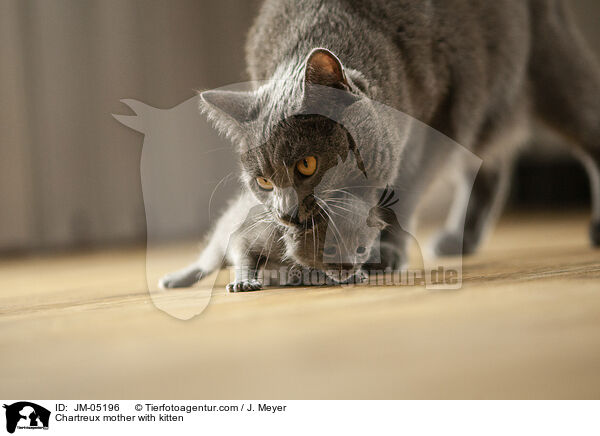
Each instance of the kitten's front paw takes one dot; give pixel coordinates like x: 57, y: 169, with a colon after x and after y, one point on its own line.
x: 180, y: 279
x: 244, y: 286
x: 454, y: 244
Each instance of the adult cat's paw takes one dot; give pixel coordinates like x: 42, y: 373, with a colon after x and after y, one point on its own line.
x: 180, y: 279
x: 595, y: 233
x: 454, y: 244
x: 244, y: 285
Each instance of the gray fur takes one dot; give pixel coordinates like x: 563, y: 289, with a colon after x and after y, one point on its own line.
x: 484, y: 73
x: 243, y: 237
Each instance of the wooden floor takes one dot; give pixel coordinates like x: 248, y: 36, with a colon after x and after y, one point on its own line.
x: 526, y: 324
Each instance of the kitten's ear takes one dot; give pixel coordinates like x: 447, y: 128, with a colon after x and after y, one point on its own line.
x: 236, y: 105
x: 325, y: 69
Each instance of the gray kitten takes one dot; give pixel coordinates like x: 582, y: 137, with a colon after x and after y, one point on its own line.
x: 485, y: 73
x: 244, y: 237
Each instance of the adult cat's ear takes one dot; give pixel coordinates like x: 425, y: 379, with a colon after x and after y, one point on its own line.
x: 325, y: 69
x: 232, y: 104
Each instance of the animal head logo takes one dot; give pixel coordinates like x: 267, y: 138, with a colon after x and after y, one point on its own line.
x: 188, y: 174
x: 26, y: 415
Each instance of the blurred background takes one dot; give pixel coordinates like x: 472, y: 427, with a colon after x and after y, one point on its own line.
x: 70, y: 173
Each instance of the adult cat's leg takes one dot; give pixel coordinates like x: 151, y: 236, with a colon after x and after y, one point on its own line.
x: 391, y: 253
x: 565, y: 81
x: 592, y: 165
x: 483, y: 205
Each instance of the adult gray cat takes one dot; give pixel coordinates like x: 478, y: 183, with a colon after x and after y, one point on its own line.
x: 485, y: 73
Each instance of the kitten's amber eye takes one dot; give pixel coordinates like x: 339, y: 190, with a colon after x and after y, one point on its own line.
x: 264, y: 183
x: 307, y: 166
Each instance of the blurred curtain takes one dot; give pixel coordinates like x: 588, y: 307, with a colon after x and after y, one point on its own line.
x: 69, y: 172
